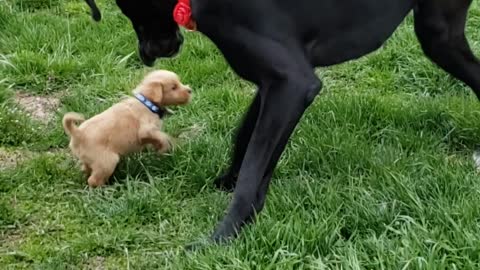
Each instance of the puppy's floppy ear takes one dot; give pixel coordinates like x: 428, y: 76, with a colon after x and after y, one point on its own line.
x: 153, y: 91
x: 96, y: 15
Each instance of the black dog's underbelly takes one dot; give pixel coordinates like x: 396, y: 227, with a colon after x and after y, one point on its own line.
x: 339, y: 40
x: 351, y: 45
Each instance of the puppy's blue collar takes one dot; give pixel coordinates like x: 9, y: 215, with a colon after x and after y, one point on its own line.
x: 152, y: 107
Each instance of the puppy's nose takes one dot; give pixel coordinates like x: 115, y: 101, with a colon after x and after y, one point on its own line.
x: 189, y: 90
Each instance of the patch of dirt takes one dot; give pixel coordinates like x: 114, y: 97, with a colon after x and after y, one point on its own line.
x: 476, y: 159
x: 41, y: 108
x: 9, y: 245
x: 96, y: 263
x: 11, y: 240
x: 11, y: 158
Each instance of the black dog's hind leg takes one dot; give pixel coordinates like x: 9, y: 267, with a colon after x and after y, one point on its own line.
x: 228, y: 180
x: 440, y: 27
x: 282, y: 106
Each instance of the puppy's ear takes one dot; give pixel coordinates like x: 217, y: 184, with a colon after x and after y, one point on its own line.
x: 96, y: 15
x: 153, y: 91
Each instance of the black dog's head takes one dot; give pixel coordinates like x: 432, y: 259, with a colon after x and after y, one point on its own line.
x: 158, y: 34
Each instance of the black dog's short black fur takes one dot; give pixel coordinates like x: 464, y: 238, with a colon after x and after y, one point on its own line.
x: 276, y: 44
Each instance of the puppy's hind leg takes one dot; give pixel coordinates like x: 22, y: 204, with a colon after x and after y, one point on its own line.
x: 86, y: 169
x: 103, y: 168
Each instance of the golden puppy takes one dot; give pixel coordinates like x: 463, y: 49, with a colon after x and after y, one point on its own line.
x: 126, y: 126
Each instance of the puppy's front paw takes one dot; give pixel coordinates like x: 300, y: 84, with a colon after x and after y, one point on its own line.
x: 170, y: 142
x: 165, y: 144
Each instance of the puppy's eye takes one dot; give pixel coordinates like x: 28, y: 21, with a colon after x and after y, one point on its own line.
x: 174, y: 87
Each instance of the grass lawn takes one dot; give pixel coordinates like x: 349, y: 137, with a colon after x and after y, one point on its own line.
x: 378, y: 175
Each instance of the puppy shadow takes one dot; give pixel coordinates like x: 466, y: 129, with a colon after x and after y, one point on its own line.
x: 148, y: 164
x: 142, y: 167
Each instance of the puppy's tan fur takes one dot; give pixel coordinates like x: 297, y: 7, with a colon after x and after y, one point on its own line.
x: 125, y: 127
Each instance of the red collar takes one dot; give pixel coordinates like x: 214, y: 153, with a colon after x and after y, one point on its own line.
x: 182, y: 14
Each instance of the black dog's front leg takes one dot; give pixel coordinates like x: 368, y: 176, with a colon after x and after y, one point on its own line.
x: 282, y: 106
x: 228, y: 180
x: 287, y: 86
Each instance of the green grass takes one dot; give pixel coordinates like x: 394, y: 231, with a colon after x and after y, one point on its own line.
x: 378, y: 175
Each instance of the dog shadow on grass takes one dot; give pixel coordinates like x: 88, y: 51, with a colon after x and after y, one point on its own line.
x: 149, y: 166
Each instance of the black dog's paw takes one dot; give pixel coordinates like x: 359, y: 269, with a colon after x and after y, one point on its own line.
x: 226, y: 182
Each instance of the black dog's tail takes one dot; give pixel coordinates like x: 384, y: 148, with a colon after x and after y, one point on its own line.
x: 96, y: 15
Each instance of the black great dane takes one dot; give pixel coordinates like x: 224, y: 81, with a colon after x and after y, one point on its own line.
x: 276, y: 44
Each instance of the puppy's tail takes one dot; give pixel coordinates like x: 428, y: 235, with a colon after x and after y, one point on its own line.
x: 69, y: 120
